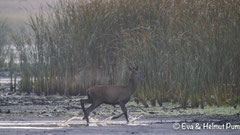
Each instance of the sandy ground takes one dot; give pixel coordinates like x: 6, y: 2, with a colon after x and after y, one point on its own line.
x: 31, y: 114
x: 142, y: 126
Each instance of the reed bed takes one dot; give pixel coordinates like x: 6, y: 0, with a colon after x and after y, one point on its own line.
x: 188, y: 50
x: 3, y: 42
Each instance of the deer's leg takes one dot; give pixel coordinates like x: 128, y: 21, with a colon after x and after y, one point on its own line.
x: 90, y: 109
x: 83, y: 101
x: 124, y: 109
x: 115, y: 117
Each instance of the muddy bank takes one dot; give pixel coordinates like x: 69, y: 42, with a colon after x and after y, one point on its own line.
x: 30, y: 114
x: 24, y: 107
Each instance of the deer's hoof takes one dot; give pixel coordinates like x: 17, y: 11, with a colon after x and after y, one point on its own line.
x: 109, y: 118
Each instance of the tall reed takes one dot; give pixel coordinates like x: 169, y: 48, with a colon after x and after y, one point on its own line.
x: 188, y: 50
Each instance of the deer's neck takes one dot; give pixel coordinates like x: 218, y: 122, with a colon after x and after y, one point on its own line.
x: 132, y: 84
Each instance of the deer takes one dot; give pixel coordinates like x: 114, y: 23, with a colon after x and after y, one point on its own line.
x: 112, y: 94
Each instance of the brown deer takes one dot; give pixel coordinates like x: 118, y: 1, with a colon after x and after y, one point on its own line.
x: 112, y: 94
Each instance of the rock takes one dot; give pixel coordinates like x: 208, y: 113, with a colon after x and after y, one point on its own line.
x: 37, y: 101
x: 28, y: 103
x: 47, y: 115
x: 18, y: 93
x: 10, y: 93
x: 8, y: 111
x: 151, y: 112
x: 31, y: 112
x: 20, y: 102
x: 43, y: 112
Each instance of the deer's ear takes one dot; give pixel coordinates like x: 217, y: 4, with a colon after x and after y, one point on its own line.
x: 130, y: 68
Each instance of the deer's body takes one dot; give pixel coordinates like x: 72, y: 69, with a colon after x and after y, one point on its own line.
x: 111, y: 94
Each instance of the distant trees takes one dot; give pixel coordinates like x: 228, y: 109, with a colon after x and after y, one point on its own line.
x: 3, y: 42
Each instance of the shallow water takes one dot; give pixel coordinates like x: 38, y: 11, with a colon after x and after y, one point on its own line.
x: 76, y: 127
x: 6, y: 80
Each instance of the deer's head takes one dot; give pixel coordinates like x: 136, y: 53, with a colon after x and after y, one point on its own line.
x: 135, y: 73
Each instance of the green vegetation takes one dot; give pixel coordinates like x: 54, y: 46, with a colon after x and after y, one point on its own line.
x: 170, y: 109
x: 188, y: 50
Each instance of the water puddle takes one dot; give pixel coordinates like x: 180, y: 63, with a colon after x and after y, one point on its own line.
x: 38, y: 128
x: 75, y: 123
